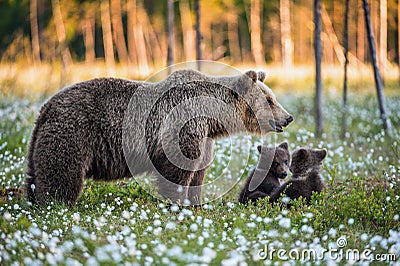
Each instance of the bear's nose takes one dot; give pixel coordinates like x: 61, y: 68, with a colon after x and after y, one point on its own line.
x: 289, y: 119
x: 284, y: 174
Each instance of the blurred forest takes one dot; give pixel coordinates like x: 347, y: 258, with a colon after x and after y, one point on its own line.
x: 135, y: 32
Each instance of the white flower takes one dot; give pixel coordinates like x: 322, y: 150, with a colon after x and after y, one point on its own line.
x: 285, y: 223
x: 194, y: 227
x: 174, y: 208
x: 170, y: 225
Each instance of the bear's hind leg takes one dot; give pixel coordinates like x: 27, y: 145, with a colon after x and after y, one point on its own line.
x: 60, y: 166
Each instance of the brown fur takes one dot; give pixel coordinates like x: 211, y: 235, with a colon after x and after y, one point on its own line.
x: 272, y: 172
x: 306, y: 177
x: 79, y: 132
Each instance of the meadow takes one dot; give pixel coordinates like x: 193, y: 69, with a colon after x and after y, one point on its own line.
x: 119, y: 223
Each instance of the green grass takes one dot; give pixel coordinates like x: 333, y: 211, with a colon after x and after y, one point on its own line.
x: 119, y: 222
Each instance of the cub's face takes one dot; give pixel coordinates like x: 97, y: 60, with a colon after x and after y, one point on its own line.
x: 281, y: 159
x: 305, y: 160
x: 269, y: 114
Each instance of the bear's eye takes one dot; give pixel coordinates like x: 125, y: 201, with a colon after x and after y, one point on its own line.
x: 269, y: 102
x: 286, y: 162
x: 275, y: 164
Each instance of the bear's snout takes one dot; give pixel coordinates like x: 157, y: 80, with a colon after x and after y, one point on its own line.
x: 289, y: 120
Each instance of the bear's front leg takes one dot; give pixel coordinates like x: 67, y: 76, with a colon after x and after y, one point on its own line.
x: 253, y: 196
x: 194, y: 189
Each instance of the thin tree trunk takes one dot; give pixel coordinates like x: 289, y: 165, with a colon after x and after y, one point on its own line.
x: 34, y: 32
x: 377, y: 77
x: 383, y: 36
x: 118, y: 31
x: 170, y: 27
x: 360, y: 35
x: 233, y: 37
x: 141, y: 44
x: 187, y: 30
x: 88, y: 31
x: 131, y: 17
x: 286, y: 40
x: 152, y: 40
x: 66, y: 58
x: 318, y: 57
x: 332, y: 35
x: 398, y: 36
x: 61, y: 34
x: 107, y: 33
x: 255, y: 30
x: 346, y: 51
x: 198, y: 33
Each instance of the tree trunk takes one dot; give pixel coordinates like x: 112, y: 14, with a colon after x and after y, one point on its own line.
x: 198, y: 33
x: 144, y: 68
x: 360, y: 35
x: 286, y: 40
x: 332, y: 35
x: 118, y: 31
x: 377, y: 77
x: 170, y: 29
x: 131, y: 18
x: 318, y: 56
x: 61, y: 34
x: 34, y: 32
x: 233, y: 37
x: 88, y: 32
x: 346, y: 51
x: 383, y: 36
x: 398, y: 36
x: 255, y: 32
x: 107, y: 33
x: 156, y: 53
x: 187, y: 30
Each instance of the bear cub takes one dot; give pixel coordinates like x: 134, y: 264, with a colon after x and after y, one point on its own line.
x: 268, y: 179
x: 306, y: 175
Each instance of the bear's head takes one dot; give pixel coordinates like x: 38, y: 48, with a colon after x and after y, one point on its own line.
x: 280, y: 162
x: 260, y: 110
x: 305, y: 161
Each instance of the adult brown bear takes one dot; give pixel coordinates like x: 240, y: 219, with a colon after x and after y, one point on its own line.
x: 112, y: 128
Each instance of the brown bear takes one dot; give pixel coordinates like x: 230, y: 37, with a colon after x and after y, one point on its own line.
x: 111, y: 128
x: 306, y: 176
x: 272, y: 167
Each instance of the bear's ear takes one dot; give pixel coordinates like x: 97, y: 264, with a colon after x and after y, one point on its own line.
x: 261, y: 76
x: 252, y: 74
x: 259, y: 147
x: 284, y: 145
x: 322, y: 154
x: 303, y: 153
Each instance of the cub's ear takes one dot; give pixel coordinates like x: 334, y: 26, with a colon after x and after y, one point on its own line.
x: 284, y: 145
x: 259, y: 147
x: 261, y: 76
x: 303, y: 153
x: 322, y: 154
x: 252, y: 74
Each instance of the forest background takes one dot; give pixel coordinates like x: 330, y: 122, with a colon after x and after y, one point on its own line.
x: 133, y: 34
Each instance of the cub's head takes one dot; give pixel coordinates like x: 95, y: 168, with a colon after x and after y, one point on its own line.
x: 280, y: 159
x: 261, y: 112
x: 306, y: 160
